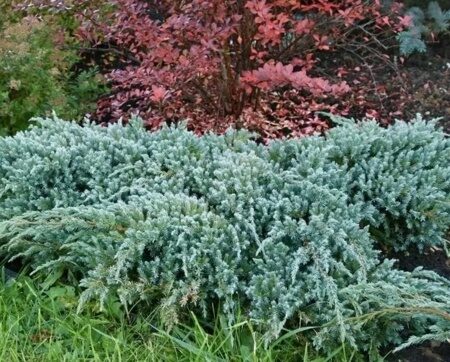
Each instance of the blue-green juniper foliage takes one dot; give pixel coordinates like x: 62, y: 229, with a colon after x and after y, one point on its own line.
x: 294, y: 231
x: 434, y: 21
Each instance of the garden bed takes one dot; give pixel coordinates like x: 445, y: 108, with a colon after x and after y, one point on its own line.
x: 293, y: 247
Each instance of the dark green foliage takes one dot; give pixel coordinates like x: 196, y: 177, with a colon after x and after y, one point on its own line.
x: 286, y: 231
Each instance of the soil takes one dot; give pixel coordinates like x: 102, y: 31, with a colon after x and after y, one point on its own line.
x: 420, y: 85
x: 428, y: 82
x: 431, y: 259
x: 428, y: 352
x: 12, y: 269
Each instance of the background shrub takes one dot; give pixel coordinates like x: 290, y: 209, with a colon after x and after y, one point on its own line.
x: 164, y: 62
x: 285, y: 232
x: 38, y: 75
x: 267, y: 66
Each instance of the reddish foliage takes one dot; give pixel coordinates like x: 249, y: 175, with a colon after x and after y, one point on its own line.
x: 242, y: 63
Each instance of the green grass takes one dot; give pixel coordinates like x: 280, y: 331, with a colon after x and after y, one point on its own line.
x: 39, y: 322
x: 44, y: 326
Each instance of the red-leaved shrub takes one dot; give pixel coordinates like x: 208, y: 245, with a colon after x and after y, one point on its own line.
x: 256, y: 64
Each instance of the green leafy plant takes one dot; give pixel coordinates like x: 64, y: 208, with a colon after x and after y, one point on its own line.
x: 36, y: 75
x: 289, y: 233
x: 424, y: 24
